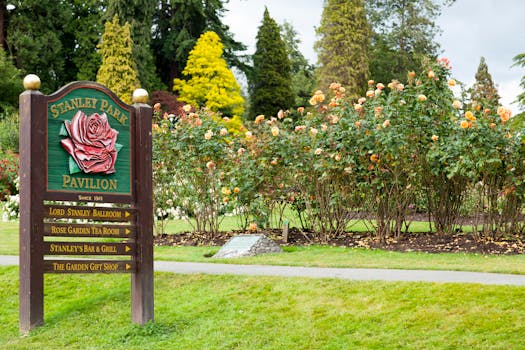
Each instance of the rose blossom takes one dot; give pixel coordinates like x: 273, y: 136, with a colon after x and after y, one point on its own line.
x: 91, y: 143
x: 224, y: 132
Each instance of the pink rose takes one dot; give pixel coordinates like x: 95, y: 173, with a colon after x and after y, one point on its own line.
x: 91, y: 143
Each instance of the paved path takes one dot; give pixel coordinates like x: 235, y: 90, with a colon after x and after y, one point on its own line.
x: 318, y: 272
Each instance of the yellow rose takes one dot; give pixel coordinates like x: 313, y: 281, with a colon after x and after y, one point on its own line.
x: 464, y: 124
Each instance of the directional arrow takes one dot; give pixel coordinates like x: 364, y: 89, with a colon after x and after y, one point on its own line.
x: 127, y: 249
x: 127, y: 231
x: 128, y: 266
x: 126, y: 214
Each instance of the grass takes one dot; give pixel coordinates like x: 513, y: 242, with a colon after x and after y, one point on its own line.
x: 326, y: 256
x: 323, y: 256
x: 237, y: 312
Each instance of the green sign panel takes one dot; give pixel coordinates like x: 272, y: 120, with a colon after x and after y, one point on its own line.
x: 89, y: 144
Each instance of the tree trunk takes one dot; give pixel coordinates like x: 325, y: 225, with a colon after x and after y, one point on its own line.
x: 3, y: 11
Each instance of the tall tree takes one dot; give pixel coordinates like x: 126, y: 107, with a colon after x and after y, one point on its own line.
x: 270, y: 81
x: 484, y: 93
x: 403, y: 37
x: 86, y: 27
x: 118, y: 70
x: 342, y: 45
x: 37, y: 40
x: 10, y: 83
x: 139, y: 13
x: 177, y: 26
x: 519, y: 60
x: 302, y: 72
x: 3, y: 21
x: 210, y: 82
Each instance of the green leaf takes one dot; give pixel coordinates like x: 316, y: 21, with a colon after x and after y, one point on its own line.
x: 73, y: 166
x: 63, y: 131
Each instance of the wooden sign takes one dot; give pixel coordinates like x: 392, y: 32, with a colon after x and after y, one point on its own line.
x: 88, y: 266
x: 91, y: 213
x: 89, y: 145
x: 89, y: 230
x: 88, y: 248
x: 83, y: 144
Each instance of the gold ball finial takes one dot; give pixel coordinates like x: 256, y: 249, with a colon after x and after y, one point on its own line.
x: 31, y: 82
x: 140, y: 96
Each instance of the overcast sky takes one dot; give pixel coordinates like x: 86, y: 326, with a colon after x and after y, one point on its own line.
x: 471, y: 29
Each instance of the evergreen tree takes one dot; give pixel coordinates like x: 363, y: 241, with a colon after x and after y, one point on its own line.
x: 139, y: 13
x: 118, y: 70
x: 210, y: 82
x: 3, y: 22
x: 38, y: 41
x: 86, y: 27
x: 303, y: 77
x: 342, y: 46
x: 270, y: 82
x: 403, y: 36
x: 177, y: 26
x: 519, y: 60
x: 484, y: 93
x: 10, y: 83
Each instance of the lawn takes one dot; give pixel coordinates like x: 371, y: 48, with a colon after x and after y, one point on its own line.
x: 238, y: 312
x: 322, y: 256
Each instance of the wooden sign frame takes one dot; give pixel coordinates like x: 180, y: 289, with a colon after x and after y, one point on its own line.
x: 39, y: 219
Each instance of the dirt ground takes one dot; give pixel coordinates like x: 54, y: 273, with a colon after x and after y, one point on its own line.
x: 413, y: 242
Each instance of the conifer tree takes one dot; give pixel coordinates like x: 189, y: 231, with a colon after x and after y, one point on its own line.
x: 10, y: 83
x: 118, y: 70
x: 139, y: 14
x: 484, y: 93
x: 270, y: 81
x: 38, y: 42
x: 302, y: 72
x: 403, y: 36
x: 519, y: 60
x: 177, y: 26
x: 342, y: 46
x: 210, y: 83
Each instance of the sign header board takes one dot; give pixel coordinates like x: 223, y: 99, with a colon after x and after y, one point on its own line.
x: 89, y: 144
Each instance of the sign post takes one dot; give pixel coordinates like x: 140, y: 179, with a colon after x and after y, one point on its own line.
x: 82, y: 144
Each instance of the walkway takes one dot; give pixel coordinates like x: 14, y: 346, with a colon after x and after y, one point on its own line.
x: 320, y: 272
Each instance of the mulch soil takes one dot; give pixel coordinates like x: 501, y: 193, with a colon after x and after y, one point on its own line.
x: 412, y: 242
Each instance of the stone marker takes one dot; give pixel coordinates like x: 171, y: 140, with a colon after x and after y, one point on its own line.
x: 247, y: 245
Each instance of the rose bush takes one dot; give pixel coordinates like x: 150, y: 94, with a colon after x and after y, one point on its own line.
x: 400, y: 149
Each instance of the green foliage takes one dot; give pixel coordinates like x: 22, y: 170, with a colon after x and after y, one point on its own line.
x: 9, y: 131
x: 118, y: 71
x: 10, y: 84
x: 177, y: 26
x: 403, y: 36
x: 303, y: 77
x: 342, y: 46
x: 210, y: 83
x: 86, y: 26
x: 38, y: 41
x: 139, y: 14
x: 270, y: 81
x: 519, y: 60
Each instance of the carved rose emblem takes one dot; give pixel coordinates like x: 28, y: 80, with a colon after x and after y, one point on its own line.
x: 91, y: 143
